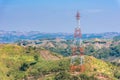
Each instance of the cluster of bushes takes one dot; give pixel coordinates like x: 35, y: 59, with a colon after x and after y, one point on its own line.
x: 66, y: 76
x: 62, y: 51
x: 117, y: 74
x: 113, y: 50
x: 116, y: 38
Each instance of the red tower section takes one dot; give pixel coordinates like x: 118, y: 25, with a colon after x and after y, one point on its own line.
x: 77, y: 33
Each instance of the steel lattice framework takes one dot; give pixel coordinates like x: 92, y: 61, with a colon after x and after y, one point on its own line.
x: 77, y: 57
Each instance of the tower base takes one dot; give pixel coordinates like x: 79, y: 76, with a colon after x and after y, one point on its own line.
x: 77, y: 68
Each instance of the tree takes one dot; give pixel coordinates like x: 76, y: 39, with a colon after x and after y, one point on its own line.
x: 117, y: 75
x: 24, y: 67
x: 62, y: 76
x: 115, y: 51
x: 103, y: 53
x: 36, y: 58
x: 89, y: 50
x: 116, y: 38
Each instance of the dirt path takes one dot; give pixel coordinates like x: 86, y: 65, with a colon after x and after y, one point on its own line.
x: 47, y: 55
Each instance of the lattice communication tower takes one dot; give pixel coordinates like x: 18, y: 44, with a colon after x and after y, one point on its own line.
x: 77, y: 57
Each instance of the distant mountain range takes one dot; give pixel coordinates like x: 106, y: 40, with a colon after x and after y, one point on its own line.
x: 12, y: 36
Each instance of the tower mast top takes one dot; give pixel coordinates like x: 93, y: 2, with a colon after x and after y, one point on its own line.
x: 78, y: 16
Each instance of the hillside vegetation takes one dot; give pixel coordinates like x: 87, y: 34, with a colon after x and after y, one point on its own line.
x: 16, y: 61
x: 31, y: 63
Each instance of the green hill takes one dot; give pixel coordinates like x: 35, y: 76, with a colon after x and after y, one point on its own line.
x: 31, y: 63
x: 16, y: 62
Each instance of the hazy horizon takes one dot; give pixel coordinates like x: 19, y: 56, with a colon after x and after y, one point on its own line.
x: 53, y: 16
x: 56, y: 32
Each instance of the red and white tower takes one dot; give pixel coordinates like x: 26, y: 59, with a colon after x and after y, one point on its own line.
x: 77, y: 57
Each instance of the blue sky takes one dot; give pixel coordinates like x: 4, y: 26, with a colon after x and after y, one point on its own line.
x: 59, y: 15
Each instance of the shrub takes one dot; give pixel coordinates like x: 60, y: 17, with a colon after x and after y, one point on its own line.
x: 117, y: 75
x: 24, y: 67
x: 62, y: 76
